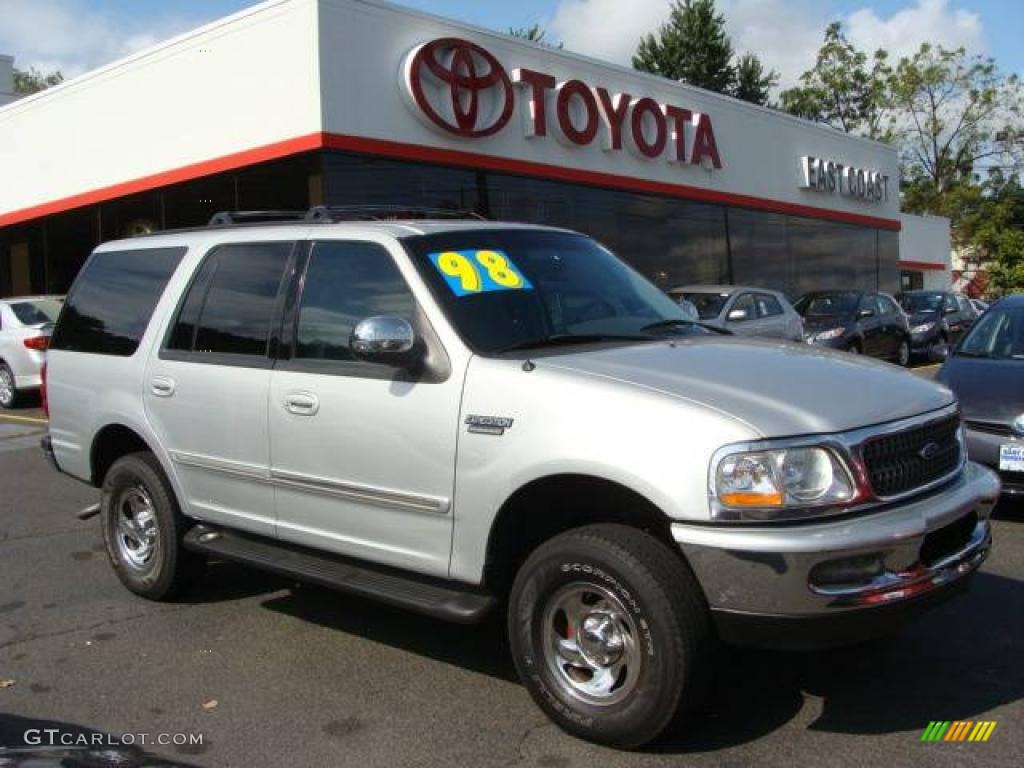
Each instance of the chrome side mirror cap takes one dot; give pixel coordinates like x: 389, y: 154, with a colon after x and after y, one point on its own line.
x: 736, y: 314
x: 386, y: 339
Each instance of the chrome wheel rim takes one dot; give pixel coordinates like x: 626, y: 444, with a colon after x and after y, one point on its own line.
x: 136, y: 529
x: 591, y: 644
x: 6, y: 387
x: 904, y: 353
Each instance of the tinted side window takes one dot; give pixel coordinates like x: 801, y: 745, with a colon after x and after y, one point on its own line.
x: 949, y: 302
x: 231, y: 302
x: 113, y: 299
x: 346, y: 283
x: 886, y: 306
x: 768, y: 306
x: 745, y: 303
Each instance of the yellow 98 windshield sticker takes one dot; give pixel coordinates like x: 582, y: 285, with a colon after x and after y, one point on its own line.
x: 473, y: 271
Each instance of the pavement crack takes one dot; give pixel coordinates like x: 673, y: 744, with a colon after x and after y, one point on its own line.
x: 24, y: 537
x: 521, y: 746
x: 90, y: 628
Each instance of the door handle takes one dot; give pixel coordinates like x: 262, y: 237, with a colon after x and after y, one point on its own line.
x: 161, y: 386
x: 302, y: 403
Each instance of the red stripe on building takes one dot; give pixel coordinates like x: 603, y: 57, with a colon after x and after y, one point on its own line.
x: 921, y: 265
x: 421, y: 153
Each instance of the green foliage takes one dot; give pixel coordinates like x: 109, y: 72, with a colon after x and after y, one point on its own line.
x: 693, y: 47
x: 844, y: 89
x: 31, y: 80
x: 534, y: 33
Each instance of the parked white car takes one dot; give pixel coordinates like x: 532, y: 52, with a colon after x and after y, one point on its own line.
x: 25, y: 326
x: 459, y: 417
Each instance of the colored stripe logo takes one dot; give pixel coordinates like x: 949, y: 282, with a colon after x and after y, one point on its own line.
x: 958, y: 730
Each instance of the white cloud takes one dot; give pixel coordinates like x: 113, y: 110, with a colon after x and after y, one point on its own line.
x: 67, y: 35
x: 785, y: 34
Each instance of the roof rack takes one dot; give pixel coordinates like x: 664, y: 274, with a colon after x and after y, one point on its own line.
x: 332, y: 213
x: 232, y: 218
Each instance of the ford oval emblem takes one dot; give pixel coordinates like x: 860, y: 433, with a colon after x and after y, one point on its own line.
x: 1018, y: 425
x: 930, y: 451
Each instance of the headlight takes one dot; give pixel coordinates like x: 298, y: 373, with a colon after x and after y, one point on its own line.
x: 923, y: 327
x: 764, y: 485
x: 832, y: 333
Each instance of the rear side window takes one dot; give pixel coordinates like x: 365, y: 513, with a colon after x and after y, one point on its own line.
x: 113, y: 299
x: 231, y: 302
x: 768, y: 305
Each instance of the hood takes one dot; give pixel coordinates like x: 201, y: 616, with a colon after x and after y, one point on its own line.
x: 777, y: 388
x: 920, y: 318
x: 988, y: 390
x: 818, y: 323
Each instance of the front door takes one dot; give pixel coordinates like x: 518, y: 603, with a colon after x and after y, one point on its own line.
x: 362, y: 455
x: 206, y: 390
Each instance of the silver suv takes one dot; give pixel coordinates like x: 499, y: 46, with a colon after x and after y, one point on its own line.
x: 461, y: 417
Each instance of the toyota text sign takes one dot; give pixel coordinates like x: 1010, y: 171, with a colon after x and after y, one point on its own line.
x: 460, y: 89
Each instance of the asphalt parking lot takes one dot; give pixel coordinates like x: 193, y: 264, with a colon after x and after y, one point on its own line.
x: 272, y: 674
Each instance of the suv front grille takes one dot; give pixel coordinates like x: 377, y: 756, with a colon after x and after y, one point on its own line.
x: 907, y: 460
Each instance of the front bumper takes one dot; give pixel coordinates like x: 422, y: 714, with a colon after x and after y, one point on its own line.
x: 846, y: 579
x: 983, y: 447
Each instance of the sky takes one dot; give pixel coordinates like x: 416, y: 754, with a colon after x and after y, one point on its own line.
x: 77, y: 35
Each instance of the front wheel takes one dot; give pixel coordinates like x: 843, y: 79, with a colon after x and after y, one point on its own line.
x: 8, y: 390
x: 610, y: 634
x: 903, y: 354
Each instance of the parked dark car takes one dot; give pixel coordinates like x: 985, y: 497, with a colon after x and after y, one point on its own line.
x: 858, y: 322
x: 937, y: 319
x: 986, y: 371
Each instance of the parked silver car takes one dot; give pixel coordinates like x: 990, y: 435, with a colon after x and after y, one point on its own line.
x: 457, y: 416
x: 743, y: 310
x: 25, y: 325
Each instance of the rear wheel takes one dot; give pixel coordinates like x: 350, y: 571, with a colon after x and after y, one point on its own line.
x: 610, y: 634
x: 854, y: 349
x: 143, y: 529
x: 8, y: 392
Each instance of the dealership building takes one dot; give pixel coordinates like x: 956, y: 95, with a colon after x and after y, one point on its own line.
x: 295, y: 103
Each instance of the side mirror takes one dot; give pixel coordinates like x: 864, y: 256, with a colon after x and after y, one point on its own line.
x: 736, y: 314
x: 949, y: 310
x: 385, y: 339
x: 866, y: 313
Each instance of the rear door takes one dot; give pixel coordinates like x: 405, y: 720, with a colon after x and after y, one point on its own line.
x: 206, y: 390
x: 362, y: 455
x: 771, y: 318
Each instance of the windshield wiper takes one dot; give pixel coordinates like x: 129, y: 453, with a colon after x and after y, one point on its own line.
x: 681, y: 322
x: 560, y: 339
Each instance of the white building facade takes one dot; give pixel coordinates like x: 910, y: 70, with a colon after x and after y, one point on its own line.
x: 295, y: 103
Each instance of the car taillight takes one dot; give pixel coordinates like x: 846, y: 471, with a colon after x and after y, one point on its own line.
x: 43, y: 402
x: 39, y: 343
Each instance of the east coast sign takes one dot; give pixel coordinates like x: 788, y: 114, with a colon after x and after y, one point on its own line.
x: 827, y: 176
x: 460, y: 89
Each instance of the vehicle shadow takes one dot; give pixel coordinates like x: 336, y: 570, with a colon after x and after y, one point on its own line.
x: 954, y: 663
x: 34, y: 743
x: 226, y: 581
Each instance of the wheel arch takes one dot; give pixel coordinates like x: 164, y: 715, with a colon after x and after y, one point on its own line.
x: 552, y: 504
x: 109, y: 444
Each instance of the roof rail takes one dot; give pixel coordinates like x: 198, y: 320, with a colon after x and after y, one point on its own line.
x: 231, y: 218
x: 331, y: 213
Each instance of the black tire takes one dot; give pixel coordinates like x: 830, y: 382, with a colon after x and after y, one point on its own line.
x: 855, y: 348
x: 664, y: 605
x: 9, y: 395
x: 903, y: 354
x: 131, y: 482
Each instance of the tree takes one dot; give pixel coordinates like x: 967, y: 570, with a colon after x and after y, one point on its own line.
x: 535, y: 34
x: 952, y: 115
x: 753, y: 83
x: 31, y: 80
x: 993, y: 231
x: 844, y: 89
x: 693, y: 47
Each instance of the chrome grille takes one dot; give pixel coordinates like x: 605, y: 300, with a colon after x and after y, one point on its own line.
x: 904, y: 461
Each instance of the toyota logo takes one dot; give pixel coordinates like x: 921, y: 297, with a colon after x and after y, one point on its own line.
x: 459, y: 87
x: 930, y: 451
x: 1018, y: 425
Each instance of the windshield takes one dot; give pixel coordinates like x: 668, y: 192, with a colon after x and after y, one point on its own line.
x: 828, y: 304
x: 515, y: 288
x: 709, y: 305
x: 999, y: 333
x: 920, y: 303
x: 36, y: 312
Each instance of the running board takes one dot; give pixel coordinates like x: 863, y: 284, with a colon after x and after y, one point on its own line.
x: 433, y: 597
